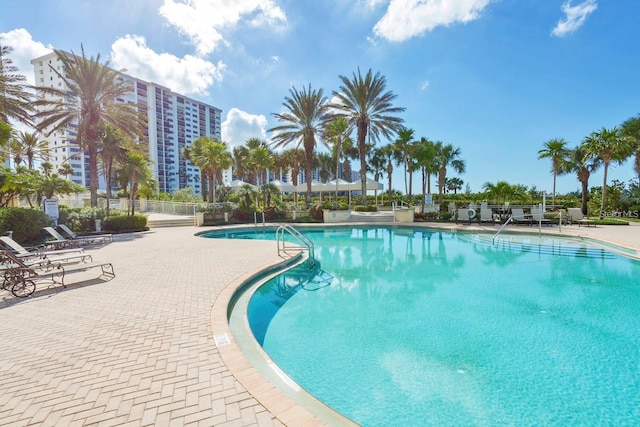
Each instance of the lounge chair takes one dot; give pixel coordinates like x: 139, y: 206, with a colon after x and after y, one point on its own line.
x: 97, y: 239
x: 20, y: 277
x: 22, y: 252
x: 59, y: 241
x: 537, y: 217
x: 486, y: 215
x: 518, y: 217
x: 576, y: 215
x: 465, y: 214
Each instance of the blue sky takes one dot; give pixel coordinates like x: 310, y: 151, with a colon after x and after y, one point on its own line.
x: 496, y: 78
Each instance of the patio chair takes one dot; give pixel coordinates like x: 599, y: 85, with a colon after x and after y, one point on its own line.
x: 59, y: 241
x: 537, y: 217
x: 486, y: 215
x: 97, y: 239
x: 22, y: 252
x: 465, y: 214
x: 20, y: 277
x: 518, y: 216
x: 576, y: 215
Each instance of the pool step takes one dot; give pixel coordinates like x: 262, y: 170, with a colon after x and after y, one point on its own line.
x: 525, y: 244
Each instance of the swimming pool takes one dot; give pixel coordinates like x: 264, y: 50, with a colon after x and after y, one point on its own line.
x: 404, y: 326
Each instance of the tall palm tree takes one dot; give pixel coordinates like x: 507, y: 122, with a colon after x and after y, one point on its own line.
x: 607, y: 146
x: 447, y: 155
x: 15, y: 98
x: 90, y: 101
x: 377, y: 164
x: 306, y: 114
x: 211, y: 157
x: 556, y: 150
x: 338, y: 140
x: 424, y: 153
x: 110, y: 148
x: 402, y: 145
x: 294, y: 158
x: 631, y: 130
x: 16, y: 151
x: 365, y: 103
x: 33, y: 147
x: 580, y: 163
x: 240, y: 155
x: 134, y: 168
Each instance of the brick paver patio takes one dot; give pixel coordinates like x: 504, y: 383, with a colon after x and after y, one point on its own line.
x: 138, y: 349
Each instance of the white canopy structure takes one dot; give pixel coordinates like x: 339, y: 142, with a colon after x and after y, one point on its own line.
x: 316, y: 187
x: 284, y: 187
x: 342, y: 185
x: 236, y: 184
x: 372, y: 184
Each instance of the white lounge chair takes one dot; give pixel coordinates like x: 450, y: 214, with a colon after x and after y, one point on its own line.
x: 576, y: 215
x: 518, y: 216
x: 98, y: 238
x: 22, y: 252
x: 486, y: 215
x: 537, y: 217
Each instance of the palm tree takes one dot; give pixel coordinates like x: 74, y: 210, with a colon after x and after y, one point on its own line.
x: 447, y: 156
x: 134, y: 168
x: 306, y: 115
x: 502, y: 191
x: 424, y: 152
x: 607, y: 146
x: 366, y: 105
x: 556, y: 150
x: 33, y: 147
x: 212, y: 157
x: 631, y: 130
x: 583, y: 165
x: 16, y: 151
x: 454, y: 184
x: 259, y: 159
x: 339, y: 142
x: 377, y: 164
x: 15, y: 99
x: 110, y: 148
x: 65, y: 169
x: 240, y: 155
x: 89, y: 101
x: 402, y: 144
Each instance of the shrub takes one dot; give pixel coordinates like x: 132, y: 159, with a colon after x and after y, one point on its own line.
x: 446, y: 216
x: 81, y: 219
x: 119, y: 223
x: 331, y: 205
x: 367, y: 208
x: 316, y: 212
x: 26, y: 223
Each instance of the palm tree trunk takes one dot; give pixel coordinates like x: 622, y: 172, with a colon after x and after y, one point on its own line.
x: 554, y: 190
x: 585, y: 196
x: 604, y: 189
x: 362, y: 148
x: 93, y: 175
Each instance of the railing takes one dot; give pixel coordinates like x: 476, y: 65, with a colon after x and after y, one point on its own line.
x: 501, y: 228
x: 304, y: 240
x: 255, y: 219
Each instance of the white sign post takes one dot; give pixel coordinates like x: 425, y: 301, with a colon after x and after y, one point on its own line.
x: 51, y: 208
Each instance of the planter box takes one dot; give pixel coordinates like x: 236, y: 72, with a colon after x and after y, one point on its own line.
x: 336, y: 216
x: 404, y: 215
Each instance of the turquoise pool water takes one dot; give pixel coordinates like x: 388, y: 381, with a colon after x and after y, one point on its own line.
x: 401, y: 326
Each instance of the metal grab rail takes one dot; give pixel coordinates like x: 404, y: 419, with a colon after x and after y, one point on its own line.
x: 304, y: 240
x: 503, y: 226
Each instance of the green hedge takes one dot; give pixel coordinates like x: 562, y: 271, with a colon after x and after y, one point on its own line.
x: 365, y: 208
x: 26, y: 223
x: 118, y: 223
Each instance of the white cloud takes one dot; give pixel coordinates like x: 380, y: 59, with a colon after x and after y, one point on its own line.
x: 240, y: 126
x: 574, y: 17
x: 203, y: 20
x: 424, y: 85
x: 24, y: 50
x: 405, y: 19
x: 187, y: 75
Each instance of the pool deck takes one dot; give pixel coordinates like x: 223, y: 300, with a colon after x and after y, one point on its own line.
x: 139, y: 349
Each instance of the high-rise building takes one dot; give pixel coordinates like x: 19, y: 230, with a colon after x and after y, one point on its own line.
x: 173, y: 122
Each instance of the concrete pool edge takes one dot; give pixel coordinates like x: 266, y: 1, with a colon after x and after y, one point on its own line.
x: 289, y: 411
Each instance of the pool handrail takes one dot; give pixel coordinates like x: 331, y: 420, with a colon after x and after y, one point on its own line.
x: 304, y: 240
x: 493, y: 239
